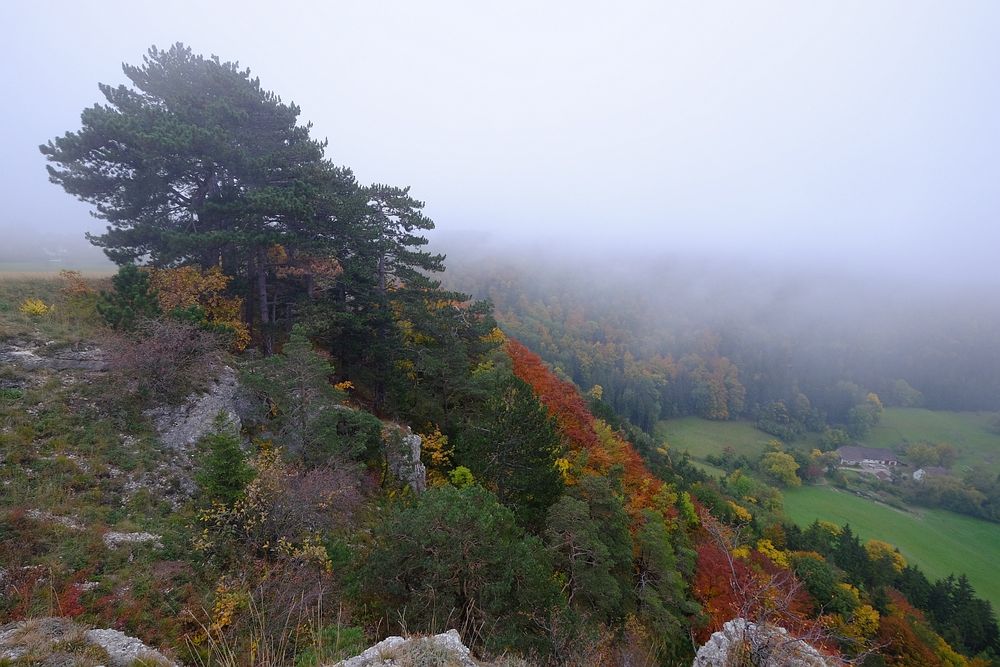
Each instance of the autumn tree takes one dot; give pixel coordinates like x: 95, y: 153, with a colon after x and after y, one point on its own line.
x: 780, y: 467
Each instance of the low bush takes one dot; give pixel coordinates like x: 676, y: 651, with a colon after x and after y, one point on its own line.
x: 162, y: 361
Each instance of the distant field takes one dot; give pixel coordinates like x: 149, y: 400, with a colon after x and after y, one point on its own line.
x: 967, y: 431
x: 29, y: 270
x: 702, y: 437
x: 939, y: 542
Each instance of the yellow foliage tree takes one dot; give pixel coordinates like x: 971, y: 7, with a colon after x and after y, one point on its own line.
x: 878, y: 550
x: 436, y: 452
x: 773, y: 553
x: 188, y: 287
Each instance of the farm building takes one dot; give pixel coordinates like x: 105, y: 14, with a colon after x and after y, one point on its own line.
x: 853, y: 456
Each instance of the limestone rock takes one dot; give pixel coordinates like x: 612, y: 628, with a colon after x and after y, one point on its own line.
x: 124, y: 650
x: 180, y: 427
x: 29, y: 355
x: 402, y: 452
x: 443, y: 649
x: 114, y: 540
x: 60, y: 641
x: 768, y: 646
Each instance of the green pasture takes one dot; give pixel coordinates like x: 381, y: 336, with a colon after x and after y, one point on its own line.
x: 938, y: 541
x: 702, y: 437
x: 967, y: 431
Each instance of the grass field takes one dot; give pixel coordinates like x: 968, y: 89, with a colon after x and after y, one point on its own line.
x: 939, y: 542
x: 967, y: 431
x: 702, y: 437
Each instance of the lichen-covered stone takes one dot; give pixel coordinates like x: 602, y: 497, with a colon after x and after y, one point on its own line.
x: 742, y: 642
x: 402, y: 452
x: 443, y: 649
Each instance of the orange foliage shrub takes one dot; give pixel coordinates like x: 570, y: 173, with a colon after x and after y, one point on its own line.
x: 753, y: 587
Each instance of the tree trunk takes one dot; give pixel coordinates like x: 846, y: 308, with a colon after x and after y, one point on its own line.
x: 266, y: 340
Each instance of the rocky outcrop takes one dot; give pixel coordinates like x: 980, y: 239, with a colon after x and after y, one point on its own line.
x: 444, y: 649
x: 30, y: 356
x: 181, y: 426
x: 402, y: 452
x: 742, y: 642
x: 60, y: 641
x: 115, y: 540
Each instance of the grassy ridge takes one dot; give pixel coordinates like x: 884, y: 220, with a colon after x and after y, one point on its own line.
x: 938, y: 541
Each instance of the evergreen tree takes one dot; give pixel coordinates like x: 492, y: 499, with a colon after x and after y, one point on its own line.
x: 224, y: 472
x: 196, y: 163
x: 512, y: 447
x: 457, y: 558
x: 308, y: 418
x: 575, y: 539
x: 131, y: 301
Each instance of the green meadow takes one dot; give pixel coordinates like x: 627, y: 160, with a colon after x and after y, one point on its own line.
x: 702, y: 437
x: 938, y: 541
x: 969, y: 432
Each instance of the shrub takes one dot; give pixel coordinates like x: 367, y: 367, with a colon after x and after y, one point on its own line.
x: 35, y: 308
x: 285, y: 508
x: 162, y: 361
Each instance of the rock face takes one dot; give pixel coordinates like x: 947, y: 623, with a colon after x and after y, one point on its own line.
x: 402, y: 452
x: 31, y: 356
x: 742, y: 642
x: 180, y: 427
x: 60, y: 641
x: 444, y: 649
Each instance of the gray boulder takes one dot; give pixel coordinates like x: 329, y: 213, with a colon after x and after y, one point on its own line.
x: 443, y: 649
x: 402, y: 452
x: 741, y: 642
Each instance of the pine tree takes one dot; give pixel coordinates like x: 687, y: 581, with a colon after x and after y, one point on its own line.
x: 225, y: 471
x: 512, y: 449
x: 196, y: 163
x: 131, y: 301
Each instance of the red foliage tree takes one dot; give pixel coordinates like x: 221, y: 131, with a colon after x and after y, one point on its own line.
x: 580, y: 429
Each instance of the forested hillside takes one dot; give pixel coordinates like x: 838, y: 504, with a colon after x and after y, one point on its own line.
x: 376, y: 454
x: 793, y: 349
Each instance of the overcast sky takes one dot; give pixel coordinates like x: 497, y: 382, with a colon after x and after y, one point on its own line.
x: 845, y: 132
